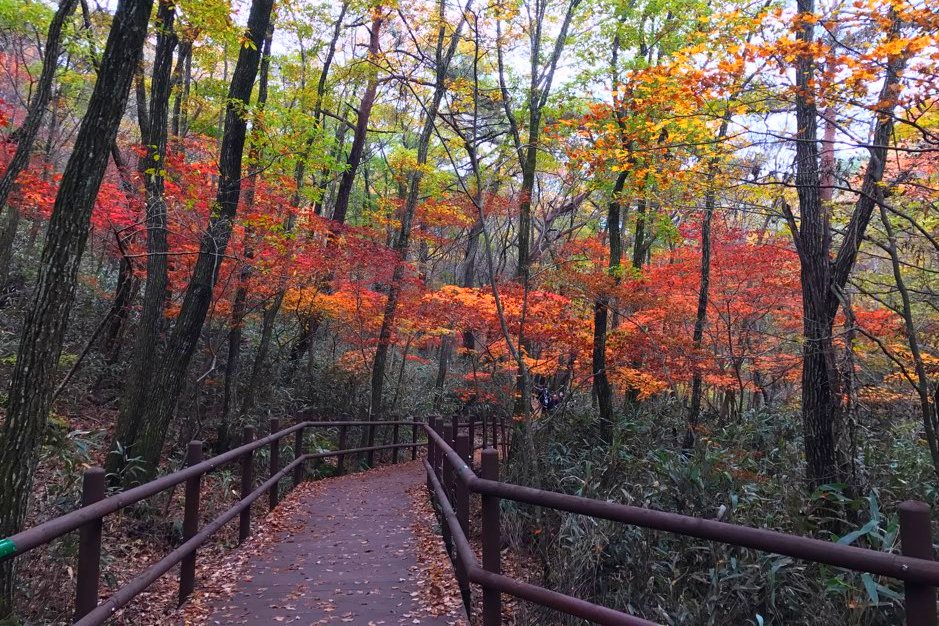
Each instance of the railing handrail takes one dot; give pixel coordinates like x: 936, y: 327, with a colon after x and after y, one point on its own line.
x: 155, y: 570
x: 475, y: 573
x: 905, y: 568
x: 918, y: 572
x: 41, y: 534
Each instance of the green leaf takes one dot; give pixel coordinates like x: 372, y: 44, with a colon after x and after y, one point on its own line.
x: 852, y: 536
x: 871, y: 585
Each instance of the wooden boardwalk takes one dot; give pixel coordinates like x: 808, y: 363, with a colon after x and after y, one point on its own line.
x: 352, y: 560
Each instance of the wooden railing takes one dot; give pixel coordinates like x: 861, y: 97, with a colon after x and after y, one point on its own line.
x: 95, y: 506
x: 451, y: 480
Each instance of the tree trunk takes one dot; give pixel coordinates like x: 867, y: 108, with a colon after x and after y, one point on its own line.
x: 442, y: 63
x: 469, y: 271
x: 182, y: 342
x: 361, y: 125
x: 233, y: 361
x: 33, y: 376
x: 261, y: 356
x: 929, y: 416
x: 151, y: 324
x: 26, y: 134
x: 821, y: 278
x: 182, y: 77
x: 446, y: 347
x: 601, y: 383
x: 704, y: 283
x: 639, y: 237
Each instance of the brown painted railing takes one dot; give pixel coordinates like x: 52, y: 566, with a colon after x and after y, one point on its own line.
x: 451, y: 480
x: 95, y: 506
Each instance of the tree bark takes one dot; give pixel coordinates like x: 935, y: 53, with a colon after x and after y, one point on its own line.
x: 361, y: 125
x: 40, y: 347
x: 150, y: 326
x: 601, y: 307
x: 182, y: 77
x: 468, y: 278
x: 821, y: 279
x: 704, y: 284
x: 168, y: 381
x: 400, y: 248
x: 26, y: 134
x: 233, y: 361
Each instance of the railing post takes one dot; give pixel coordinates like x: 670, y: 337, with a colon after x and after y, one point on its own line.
x: 89, y: 546
x: 484, y: 430
x: 472, y: 440
x: 916, y: 541
x: 275, y: 463
x: 187, y: 568
x: 431, y: 451
x: 455, y: 421
x: 492, y: 539
x: 297, y: 453
x: 463, y: 447
x: 494, y: 425
x: 445, y: 468
x: 414, y: 440
x: 431, y: 446
x: 247, y: 483
x: 371, y: 442
x: 341, y: 460
x: 394, y: 440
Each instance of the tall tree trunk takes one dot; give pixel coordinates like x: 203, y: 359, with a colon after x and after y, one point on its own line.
x: 182, y: 77
x: 704, y: 284
x: 318, y: 107
x: 821, y: 278
x: 601, y: 307
x: 361, y: 125
x: 929, y: 416
x: 261, y: 356
x: 233, y: 361
x: 446, y: 347
x: 468, y: 278
x: 26, y: 134
x: 400, y: 248
x: 184, y: 338
x: 33, y: 377
x: 639, y: 237
x: 299, y: 179
x: 151, y: 324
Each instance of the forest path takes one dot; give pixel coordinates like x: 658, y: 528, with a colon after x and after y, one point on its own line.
x: 351, y: 558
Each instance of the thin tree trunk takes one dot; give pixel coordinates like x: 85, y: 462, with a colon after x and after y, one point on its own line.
x: 446, y: 346
x: 704, y: 284
x: 233, y: 361
x: 26, y: 134
x: 182, y: 76
x: 182, y: 342
x: 639, y: 237
x: 442, y: 63
x: 469, y: 271
x: 150, y: 326
x: 361, y: 125
x: 930, y: 419
x: 601, y: 383
x: 261, y: 357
